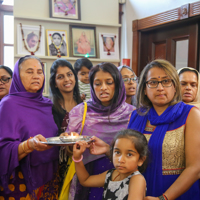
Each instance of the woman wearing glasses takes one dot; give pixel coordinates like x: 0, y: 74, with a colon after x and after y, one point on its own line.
x: 130, y: 83
x: 5, y: 80
x: 172, y: 129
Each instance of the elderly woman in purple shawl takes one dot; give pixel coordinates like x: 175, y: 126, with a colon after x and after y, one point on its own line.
x: 107, y: 114
x: 28, y: 167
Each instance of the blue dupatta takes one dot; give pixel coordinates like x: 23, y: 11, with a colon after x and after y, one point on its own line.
x: 153, y: 174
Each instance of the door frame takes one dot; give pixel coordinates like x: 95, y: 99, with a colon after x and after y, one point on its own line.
x: 185, y: 12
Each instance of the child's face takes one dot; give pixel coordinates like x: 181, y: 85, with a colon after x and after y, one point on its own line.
x: 83, y: 75
x: 126, y: 159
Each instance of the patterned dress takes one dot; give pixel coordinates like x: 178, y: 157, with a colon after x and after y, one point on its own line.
x: 116, y: 190
x: 18, y: 189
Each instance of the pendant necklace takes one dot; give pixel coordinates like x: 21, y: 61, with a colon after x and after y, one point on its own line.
x: 116, y: 176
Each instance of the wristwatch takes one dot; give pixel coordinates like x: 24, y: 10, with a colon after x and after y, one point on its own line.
x: 161, y: 197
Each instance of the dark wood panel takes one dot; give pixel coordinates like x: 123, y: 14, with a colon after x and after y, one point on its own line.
x: 159, y: 19
x: 159, y: 50
x: 161, y: 43
x: 135, y: 47
x: 193, y: 46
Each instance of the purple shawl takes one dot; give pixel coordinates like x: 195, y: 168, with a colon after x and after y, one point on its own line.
x: 24, y: 115
x: 97, y: 121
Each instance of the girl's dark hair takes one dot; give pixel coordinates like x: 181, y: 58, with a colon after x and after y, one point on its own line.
x: 82, y: 62
x: 55, y: 92
x: 139, y: 141
x: 114, y: 72
x: 7, y: 69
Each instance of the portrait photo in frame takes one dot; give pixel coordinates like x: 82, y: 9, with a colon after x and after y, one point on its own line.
x: 45, y: 91
x: 57, y: 44
x: 67, y: 9
x: 30, y: 40
x: 108, y: 46
x: 83, y: 41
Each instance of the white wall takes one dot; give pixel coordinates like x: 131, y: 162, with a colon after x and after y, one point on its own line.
x: 94, y: 11
x: 138, y: 9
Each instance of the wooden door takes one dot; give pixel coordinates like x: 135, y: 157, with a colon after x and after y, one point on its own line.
x: 162, y: 43
x: 172, y: 35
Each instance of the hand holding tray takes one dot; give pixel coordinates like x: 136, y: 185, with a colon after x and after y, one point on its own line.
x: 65, y: 140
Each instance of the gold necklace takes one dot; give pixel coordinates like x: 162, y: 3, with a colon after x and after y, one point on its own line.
x: 116, y: 176
x: 25, y: 46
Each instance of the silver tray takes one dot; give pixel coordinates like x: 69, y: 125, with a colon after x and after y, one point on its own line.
x: 56, y: 141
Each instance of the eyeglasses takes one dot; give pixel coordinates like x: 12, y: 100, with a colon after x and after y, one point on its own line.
x: 164, y: 83
x: 128, y: 80
x: 5, y: 79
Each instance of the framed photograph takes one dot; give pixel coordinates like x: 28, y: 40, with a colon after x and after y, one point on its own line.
x: 30, y: 40
x: 57, y: 44
x: 68, y: 9
x: 108, y: 46
x: 83, y: 41
x: 45, y: 91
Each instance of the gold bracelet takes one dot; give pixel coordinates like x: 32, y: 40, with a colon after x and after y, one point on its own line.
x: 23, y: 148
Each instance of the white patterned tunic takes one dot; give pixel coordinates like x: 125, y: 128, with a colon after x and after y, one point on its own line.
x: 116, y: 190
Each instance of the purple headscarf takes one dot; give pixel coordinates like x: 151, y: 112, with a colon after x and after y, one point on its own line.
x: 24, y: 115
x: 98, y: 122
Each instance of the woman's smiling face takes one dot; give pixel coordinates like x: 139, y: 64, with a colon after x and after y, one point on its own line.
x: 65, y: 79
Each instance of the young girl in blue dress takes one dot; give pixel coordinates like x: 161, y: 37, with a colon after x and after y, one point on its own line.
x: 129, y: 152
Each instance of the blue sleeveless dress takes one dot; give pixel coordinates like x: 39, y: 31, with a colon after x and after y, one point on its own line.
x: 173, y: 155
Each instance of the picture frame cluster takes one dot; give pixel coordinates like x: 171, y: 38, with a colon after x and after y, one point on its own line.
x: 77, y: 41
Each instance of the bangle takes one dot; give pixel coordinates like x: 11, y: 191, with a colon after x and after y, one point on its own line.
x: 23, y: 148
x: 163, y: 197
x: 28, y: 144
x: 77, y: 160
